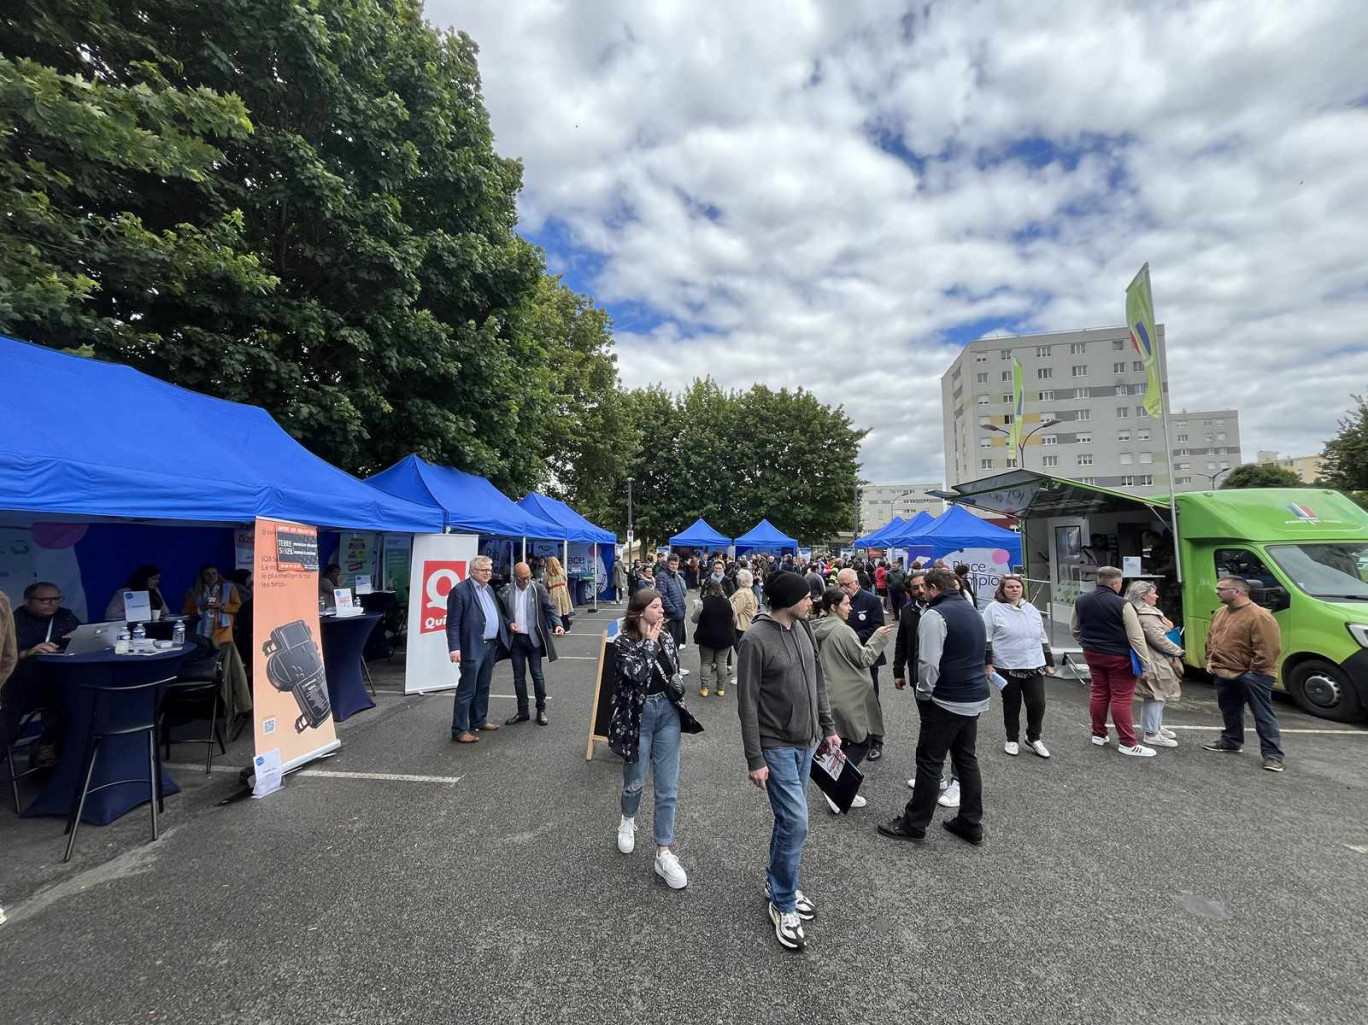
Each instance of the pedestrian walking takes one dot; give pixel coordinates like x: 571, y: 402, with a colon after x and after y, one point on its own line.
x: 784, y: 712
x: 532, y: 623
x: 674, y: 596
x: 1242, y: 651
x: 745, y: 607
x: 558, y: 586
x: 1107, y: 628
x: 1161, y: 682
x: 867, y: 615
x: 897, y: 588
x: 845, y: 665
x: 1019, y: 650
x: 477, y: 631
x: 952, y: 692
x: 619, y: 580
x: 715, y: 636
x: 881, y: 581
x: 648, y: 719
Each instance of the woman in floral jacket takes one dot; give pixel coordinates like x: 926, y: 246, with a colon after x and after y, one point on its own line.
x: 648, y: 718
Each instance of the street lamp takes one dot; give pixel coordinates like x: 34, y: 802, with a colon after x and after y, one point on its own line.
x: 1021, y: 446
x: 1212, y: 476
x: 630, y: 537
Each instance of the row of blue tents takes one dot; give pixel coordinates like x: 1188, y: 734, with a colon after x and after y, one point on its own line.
x: 763, y: 537
x: 952, y: 531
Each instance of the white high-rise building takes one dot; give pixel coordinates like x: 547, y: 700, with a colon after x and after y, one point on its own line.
x: 879, y: 503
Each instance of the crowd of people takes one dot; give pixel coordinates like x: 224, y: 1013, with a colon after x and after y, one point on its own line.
x: 806, y: 678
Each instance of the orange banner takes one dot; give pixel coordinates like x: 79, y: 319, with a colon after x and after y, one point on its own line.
x: 289, y: 686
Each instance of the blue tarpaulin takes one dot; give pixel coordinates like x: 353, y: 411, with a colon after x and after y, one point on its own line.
x: 92, y: 441
x: 958, y: 528
x: 699, y: 535
x: 874, y: 539
x: 577, y: 526
x: 907, y: 532
x: 764, y: 536
x: 466, y: 503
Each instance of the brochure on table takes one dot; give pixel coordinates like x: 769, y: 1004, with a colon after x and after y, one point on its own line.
x: 137, y: 606
x: 344, y: 604
x: 363, y: 583
x: 440, y: 562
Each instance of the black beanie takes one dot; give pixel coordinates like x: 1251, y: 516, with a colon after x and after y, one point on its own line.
x: 785, y: 590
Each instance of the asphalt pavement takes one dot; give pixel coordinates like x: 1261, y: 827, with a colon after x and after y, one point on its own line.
x: 409, y: 879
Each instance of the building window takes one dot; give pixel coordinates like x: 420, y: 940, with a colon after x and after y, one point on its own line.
x: 983, y: 400
x: 1220, y: 424
x: 984, y: 421
x: 985, y: 464
x: 1007, y: 399
x: 1128, y: 481
x: 1049, y: 460
x: 981, y: 378
x: 1011, y: 462
x: 1123, y: 435
x: 1138, y: 366
x: 1118, y: 345
x: 1182, y: 437
x: 1008, y: 417
x: 1044, y: 373
x: 1047, y: 396
x: 1142, y: 434
x: 1006, y: 375
x: 1083, y: 439
x: 1079, y: 370
x: 981, y: 358
x: 1042, y: 350
x: 1084, y: 414
x: 1048, y: 439
x: 1087, y: 480
x: 1085, y: 459
x: 1206, y: 423
x: 985, y: 442
x: 1126, y: 459
x: 1184, y: 480
x: 1141, y: 412
x: 1046, y: 416
x: 1225, y: 465
x: 1004, y: 354
x: 1077, y: 348
x: 1221, y: 437
x: 1146, y: 480
x: 1119, y: 368
x: 1123, y: 412
x: 1210, y: 467
x: 1184, y: 466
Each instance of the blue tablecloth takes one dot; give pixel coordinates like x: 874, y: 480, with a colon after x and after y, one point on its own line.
x: 119, y: 757
x: 344, y: 637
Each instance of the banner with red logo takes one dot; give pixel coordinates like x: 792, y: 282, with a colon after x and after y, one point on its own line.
x: 440, y: 562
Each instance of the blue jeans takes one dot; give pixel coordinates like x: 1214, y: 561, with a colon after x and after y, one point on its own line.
x: 1256, y: 691
x: 658, y: 746
x: 472, y: 693
x: 1152, y: 715
x: 787, y: 790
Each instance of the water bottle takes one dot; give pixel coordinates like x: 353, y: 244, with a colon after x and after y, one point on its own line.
x: 121, y: 646
x: 139, y: 632
x: 178, y: 634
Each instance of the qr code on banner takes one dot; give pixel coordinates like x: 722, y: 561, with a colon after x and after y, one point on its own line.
x: 268, y: 726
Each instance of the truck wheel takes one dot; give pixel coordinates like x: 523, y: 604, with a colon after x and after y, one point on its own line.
x: 1320, y: 688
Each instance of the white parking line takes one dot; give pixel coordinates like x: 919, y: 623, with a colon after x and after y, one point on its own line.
x: 1281, y: 729
x: 397, y: 777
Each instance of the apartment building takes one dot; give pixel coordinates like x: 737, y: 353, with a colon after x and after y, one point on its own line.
x: 879, y: 503
x: 1083, y: 418
x: 1308, y: 468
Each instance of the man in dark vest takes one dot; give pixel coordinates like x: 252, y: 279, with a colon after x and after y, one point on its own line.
x: 952, y: 692
x: 1107, y: 628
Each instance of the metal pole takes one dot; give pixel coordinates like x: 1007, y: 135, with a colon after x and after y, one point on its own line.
x: 629, y: 515
x: 1168, y: 451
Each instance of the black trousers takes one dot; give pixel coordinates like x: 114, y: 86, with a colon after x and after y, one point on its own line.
x: 876, y: 740
x: 897, y: 598
x: 525, y: 655
x: 676, y: 628
x: 1032, y: 690
x: 945, y: 732
x: 856, y: 752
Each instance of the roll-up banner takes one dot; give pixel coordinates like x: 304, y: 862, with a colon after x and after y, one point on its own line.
x: 289, y: 688
x: 440, y: 562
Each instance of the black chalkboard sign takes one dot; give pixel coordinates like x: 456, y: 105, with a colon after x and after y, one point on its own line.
x: 604, y: 685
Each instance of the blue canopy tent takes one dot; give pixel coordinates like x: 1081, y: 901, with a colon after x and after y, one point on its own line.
x: 874, y: 539
x: 464, y: 502
x: 100, y: 458
x: 579, y: 529
x: 699, y: 535
x: 957, y: 529
x: 765, y: 537
x: 905, y: 533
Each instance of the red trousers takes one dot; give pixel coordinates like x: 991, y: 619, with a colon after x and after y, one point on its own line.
x: 1113, y: 683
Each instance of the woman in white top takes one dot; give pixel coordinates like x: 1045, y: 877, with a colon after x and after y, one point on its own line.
x: 1020, y: 651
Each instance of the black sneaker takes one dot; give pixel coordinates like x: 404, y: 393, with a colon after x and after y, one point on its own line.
x: 542, y: 720
x: 1273, y: 765
x: 1222, y: 746
x: 964, y: 831
x: 900, y: 830
x: 875, y: 753
x: 805, y: 909
x: 788, y: 928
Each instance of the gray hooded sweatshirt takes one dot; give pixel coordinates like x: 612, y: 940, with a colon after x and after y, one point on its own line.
x: 781, y: 697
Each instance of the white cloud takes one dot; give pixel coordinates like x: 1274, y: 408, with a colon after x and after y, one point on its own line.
x: 724, y: 165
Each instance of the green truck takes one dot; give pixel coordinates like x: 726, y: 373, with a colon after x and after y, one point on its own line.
x: 1304, y: 552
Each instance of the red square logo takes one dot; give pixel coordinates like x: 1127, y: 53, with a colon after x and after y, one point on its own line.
x: 438, y: 580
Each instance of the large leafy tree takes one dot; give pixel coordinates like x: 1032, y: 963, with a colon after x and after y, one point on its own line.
x: 1346, y: 455
x: 1261, y: 475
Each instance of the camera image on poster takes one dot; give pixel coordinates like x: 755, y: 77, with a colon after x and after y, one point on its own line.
x: 294, y: 665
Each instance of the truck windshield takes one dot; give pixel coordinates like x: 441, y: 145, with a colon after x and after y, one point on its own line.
x: 1332, y: 571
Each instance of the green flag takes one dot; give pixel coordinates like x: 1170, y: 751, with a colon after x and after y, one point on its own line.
x: 1140, y: 322
x: 1018, y: 408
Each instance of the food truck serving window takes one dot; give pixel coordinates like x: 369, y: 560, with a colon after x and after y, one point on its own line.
x: 1333, y: 571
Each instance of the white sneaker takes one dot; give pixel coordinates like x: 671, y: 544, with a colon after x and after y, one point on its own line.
x: 788, y: 928
x: 667, y: 866
x: 943, y: 783
x: 1138, y: 751
x: 627, y: 835
x: 683, y: 672
x: 1099, y: 741
x: 1168, y: 733
x: 1038, y: 746
x: 951, y: 797
x: 1012, y: 748
x: 804, y: 908
x: 858, y: 802
x: 1159, y: 740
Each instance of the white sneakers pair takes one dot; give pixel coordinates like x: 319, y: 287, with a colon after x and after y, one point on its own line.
x: 1038, y: 746
x: 950, y: 792
x: 667, y: 865
x: 1138, y: 750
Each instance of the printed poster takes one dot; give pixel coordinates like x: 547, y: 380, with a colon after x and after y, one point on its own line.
x: 398, y: 558
x: 355, y: 555
x: 289, y: 686
x: 440, y: 562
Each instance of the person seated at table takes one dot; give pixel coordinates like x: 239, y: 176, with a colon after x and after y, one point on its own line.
x: 330, y: 581
x: 39, y: 626
x: 215, y: 601
x: 145, y: 578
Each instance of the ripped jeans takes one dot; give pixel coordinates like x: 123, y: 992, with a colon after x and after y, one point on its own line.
x: 658, y: 746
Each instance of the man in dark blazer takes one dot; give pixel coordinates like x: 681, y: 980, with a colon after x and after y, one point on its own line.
x: 532, y: 622
x: 476, y: 632
x: 866, y: 616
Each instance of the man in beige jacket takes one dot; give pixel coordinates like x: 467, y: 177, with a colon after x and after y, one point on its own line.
x: 1243, y: 645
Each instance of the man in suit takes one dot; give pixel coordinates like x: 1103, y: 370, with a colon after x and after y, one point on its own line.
x: 532, y: 622
x: 866, y: 616
x: 476, y: 630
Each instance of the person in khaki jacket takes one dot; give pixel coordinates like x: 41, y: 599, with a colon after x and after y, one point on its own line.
x: 1161, y: 682
x: 1242, y: 651
x: 9, y: 647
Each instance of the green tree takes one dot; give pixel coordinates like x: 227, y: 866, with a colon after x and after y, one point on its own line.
x: 1261, y: 475
x: 1346, y: 455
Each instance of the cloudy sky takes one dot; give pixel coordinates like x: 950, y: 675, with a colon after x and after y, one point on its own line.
x: 839, y: 195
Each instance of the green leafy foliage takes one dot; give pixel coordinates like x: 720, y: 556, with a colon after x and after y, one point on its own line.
x: 1346, y: 454
x: 1261, y: 475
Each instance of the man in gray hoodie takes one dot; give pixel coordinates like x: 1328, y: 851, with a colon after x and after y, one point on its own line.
x: 782, y: 702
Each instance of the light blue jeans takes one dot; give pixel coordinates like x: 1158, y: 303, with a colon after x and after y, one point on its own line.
x: 1151, y: 715
x: 787, y: 790
x: 658, y: 746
